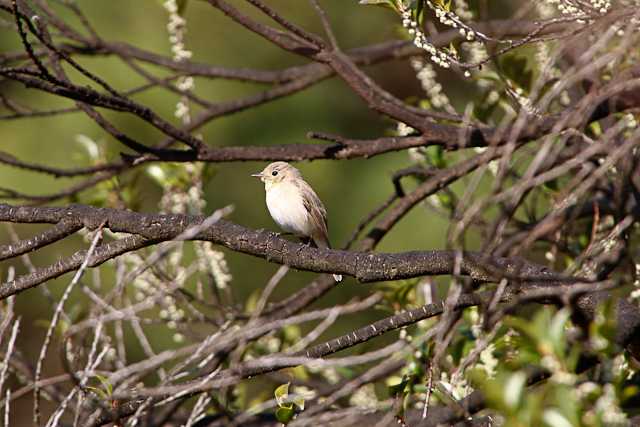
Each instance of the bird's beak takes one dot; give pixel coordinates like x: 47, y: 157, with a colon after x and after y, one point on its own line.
x: 257, y: 175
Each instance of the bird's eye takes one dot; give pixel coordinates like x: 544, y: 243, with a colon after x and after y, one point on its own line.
x: 274, y: 173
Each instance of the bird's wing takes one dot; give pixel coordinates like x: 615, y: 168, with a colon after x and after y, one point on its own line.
x: 317, y: 213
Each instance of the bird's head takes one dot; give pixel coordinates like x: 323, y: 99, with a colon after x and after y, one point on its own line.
x: 277, y: 172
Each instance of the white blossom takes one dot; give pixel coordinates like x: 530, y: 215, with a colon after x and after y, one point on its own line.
x: 177, y: 29
x: 427, y: 77
x: 420, y: 39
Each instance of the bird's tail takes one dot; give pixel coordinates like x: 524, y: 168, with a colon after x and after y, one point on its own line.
x: 323, y: 242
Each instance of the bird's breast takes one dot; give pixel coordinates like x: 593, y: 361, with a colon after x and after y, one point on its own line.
x: 286, y: 206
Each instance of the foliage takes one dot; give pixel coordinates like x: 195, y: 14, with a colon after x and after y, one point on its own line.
x: 520, y: 176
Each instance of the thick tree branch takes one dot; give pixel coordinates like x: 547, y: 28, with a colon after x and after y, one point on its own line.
x: 366, y: 267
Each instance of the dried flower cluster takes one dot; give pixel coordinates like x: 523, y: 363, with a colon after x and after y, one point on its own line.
x: 177, y: 28
x: 527, y: 171
x: 420, y: 40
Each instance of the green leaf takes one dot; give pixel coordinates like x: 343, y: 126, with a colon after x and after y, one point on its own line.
x: 556, y: 331
x: 285, y: 414
x: 299, y: 402
x: 554, y: 418
x: 452, y: 50
x: 286, y: 410
x: 291, y: 334
x: 445, y: 200
x: 435, y: 156
x: 596, y: 129
x: 99, y: 392
x: 299, y: 372
x: 345, y: 372
x: 489, y: 76
x: 399, y: 388
x: 513, y: 389
x: 281, y: 393
x: 552, y: 185
x: 445, y: 5
x: 106, y: 384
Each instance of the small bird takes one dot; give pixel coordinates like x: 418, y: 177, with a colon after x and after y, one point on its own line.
x: 293, y: 204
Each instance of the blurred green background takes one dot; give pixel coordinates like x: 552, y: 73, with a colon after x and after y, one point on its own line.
x: 349, y: 189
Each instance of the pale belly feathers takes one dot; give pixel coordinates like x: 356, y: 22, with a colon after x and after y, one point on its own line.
x: 286, y: 207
